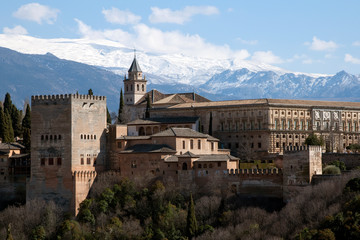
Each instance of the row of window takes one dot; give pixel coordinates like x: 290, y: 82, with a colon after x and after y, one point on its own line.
x: 210, y: 165
x: 290, y: 136
x: 50, y: 137
x: 287, y: 125
x: 243, y: 113
x: 89, y: 160
x: 198, y: 144
x: 295, y: 113
x: 51, y: 161
x: 87, y: 137
x: 137, y: 87
x: 243, y: 126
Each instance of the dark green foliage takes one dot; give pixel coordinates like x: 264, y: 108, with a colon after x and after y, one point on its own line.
x: 38, y: 233
x: 26, y: 122
x: 121, y: 109
x: 148, y: 107
x: 191, y: 223
x: 353, y: 185
x: 8, y: 233
x: 16, y: 121
x: 85, y: 215
x: 8, y: 129
x: 312, y: 139
x: 331, y: 169
x: 339, y: 164
x: 90, y: 92
x: 108, y: 116
x: 210, y: 124
x: 8, y: 103
x: 2, y: 124
x: 353, y: 147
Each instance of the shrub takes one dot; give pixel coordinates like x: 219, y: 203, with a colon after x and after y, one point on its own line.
x: 331, y: 169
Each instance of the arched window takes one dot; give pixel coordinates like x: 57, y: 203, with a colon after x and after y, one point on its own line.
x: 137, y: 87
x: 81, y: 136
x: 55, y: 137
x: 42, y: 137
x: 94, y: 136
x: 183, y: 142
x: 127, y: 88
x: 142, y: 87
x: 130, y: 87
x: 141, y: 131
x: 50, y: 137
x: 59, y: 137
x: 184, y: 166
x: 199, y: 165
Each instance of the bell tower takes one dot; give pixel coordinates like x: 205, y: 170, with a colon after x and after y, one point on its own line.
x: 135, y: 84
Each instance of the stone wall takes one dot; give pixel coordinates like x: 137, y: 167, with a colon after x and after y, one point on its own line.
x: 351, y: 160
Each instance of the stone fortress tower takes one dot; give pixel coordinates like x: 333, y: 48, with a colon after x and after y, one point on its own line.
x: 135, y: 84
x: 68, y: 144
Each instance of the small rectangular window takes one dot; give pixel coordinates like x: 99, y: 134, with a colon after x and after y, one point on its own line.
x: 191, y: 144
x: 199, y: 144
x: 219, y: 164
x: 88, y: 161
x: 82, y: 161
x: 51, y: 161
x: 43, y: 162
x: 59, y: 161
x: 183, y: 142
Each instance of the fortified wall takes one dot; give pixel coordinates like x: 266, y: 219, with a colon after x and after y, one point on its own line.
x: 68, y: 147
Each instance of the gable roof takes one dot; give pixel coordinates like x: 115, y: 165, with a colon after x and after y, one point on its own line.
x: 180, y: 132
x: 11, y: 146
x: 157, y: 97
x: 149, y: 148
x: 188, y: 154
x: 157, y: 120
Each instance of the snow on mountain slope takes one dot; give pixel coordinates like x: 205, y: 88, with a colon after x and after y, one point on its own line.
x: 173, y: 69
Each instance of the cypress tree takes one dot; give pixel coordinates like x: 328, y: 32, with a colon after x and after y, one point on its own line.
x: 9, y: 131
x: 148, y: 106
x: 108, y: 116
x: 7, y: 103
x: 16, y: 121
x: 191, y: 223
x: 2, y: 124
x: 26, y: 126
x: 121, y: 108
x: 210, y: 124
x: 90, y: 92
x: 26, y: 122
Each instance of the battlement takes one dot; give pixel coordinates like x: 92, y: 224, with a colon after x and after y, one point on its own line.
x: 254, y: 171
x: 293, y: 149
x: 45, y: 98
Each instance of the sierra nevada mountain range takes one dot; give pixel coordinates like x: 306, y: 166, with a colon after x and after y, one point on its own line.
x: 55, y: 66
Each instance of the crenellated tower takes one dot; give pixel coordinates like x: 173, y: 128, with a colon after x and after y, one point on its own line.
x: 134, y: 85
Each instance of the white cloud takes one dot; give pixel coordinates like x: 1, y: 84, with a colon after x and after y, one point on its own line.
x: 248, y: 42
x: 307, y: 61
x: 115, y: 15
x: 157, y: 41
x: 351, y: 59
x: 266, y: 57
x: 17, y: 30
x: 320, y: 45
x: 166, y: 15
x: 37, y: 13
x: 356, y: 43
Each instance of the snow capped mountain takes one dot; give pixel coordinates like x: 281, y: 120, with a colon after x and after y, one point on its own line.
x: 173, y: 69
x: 53, y: 66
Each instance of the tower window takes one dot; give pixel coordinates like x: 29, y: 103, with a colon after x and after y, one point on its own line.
x: 130, y: 87
x: 143, y: 88
x: 137, y: 87
x: 191, y: 144
x: 51, y: 161
x: 59, y: 161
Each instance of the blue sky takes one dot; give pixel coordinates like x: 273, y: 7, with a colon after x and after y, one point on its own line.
x: 302, y: 36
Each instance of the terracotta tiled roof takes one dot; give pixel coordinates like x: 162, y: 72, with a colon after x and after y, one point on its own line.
x: 157, y: 97
x: 164, y: 120
x: 269, y: 102
x: 203, y: 157
x: 11, y: 146
x: 188, y: 154
x: 180, y: 132
x: 149, y: 148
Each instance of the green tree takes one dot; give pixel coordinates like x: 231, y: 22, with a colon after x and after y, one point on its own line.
x: 7, y: 103
x: 148, y: 107
x: 90, y: 92
x: 38, y: 233
x: 26, y: 128
x: 8, y: 233
x: 312, y: 139
x: 353, y: 147
x: 2, y: 124
x: 9, y: 132
x: 121, y: 108
x: 191, y: 223
x: 108, y: 116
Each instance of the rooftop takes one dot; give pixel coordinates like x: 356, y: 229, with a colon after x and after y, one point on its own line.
x: 183, y: 132
x: 164, y: 120
x: 149, y: 148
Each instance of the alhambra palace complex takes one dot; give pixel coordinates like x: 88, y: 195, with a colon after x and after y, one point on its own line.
x: 188, y: 140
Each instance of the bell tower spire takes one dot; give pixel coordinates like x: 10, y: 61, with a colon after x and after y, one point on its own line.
x: 135, y: 84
